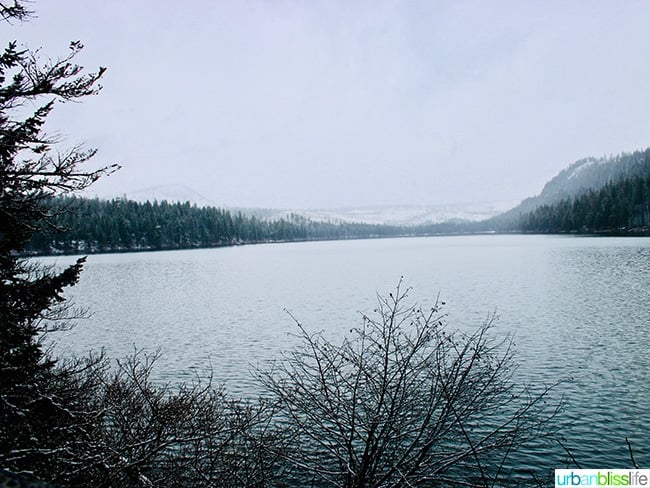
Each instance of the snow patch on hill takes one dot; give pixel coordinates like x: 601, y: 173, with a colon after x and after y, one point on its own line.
x: 586, y: 163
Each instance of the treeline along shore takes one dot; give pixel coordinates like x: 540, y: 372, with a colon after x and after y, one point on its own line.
x: 81, y: 225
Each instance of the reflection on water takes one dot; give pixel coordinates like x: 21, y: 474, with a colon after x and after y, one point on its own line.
x: 578, y: 308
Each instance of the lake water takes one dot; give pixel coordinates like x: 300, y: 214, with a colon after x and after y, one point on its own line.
x: 579, y: 309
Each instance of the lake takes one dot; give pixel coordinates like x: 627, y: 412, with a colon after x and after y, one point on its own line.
x: 579, y: 309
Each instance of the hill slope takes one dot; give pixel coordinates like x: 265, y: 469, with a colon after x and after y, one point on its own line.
x: 583, y: 176
x: 622, y: 208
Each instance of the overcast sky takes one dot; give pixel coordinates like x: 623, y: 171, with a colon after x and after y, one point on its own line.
x: 308, y: 104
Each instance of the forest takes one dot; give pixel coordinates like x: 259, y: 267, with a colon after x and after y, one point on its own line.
x: 622, y: 207
x: 80, y: 225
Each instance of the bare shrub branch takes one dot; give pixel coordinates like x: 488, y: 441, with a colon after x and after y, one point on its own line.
x: 403, y: 401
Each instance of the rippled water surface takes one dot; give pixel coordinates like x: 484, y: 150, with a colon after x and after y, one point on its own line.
x: 579, y: 308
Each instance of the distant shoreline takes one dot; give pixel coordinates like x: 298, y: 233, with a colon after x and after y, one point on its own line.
x: 644, y: 232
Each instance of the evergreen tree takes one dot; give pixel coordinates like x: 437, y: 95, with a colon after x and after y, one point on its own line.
x: 32, y: 170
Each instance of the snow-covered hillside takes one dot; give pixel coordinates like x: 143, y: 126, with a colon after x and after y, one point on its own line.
x: 402, y: 214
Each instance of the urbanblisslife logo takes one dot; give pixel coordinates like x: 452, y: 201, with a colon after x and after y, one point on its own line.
x: 629, y: 478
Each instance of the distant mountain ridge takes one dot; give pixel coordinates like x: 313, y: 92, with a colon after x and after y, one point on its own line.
x: 585, y: 175
x: 375, y: 215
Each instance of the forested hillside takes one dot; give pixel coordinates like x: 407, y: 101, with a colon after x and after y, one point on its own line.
x: 616, y: 207
x: 583, y: 176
